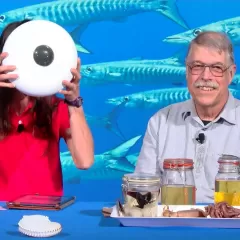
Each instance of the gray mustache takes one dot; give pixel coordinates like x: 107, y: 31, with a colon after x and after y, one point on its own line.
x: 201, y: 83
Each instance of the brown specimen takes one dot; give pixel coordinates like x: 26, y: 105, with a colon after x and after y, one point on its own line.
x: 184, y: 213
x: 222, y: 210
x: 218, y: 210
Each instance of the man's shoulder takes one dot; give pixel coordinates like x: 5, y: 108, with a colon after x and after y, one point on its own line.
x: 237, y: 103
x: 174, y: 110
x: 237, y: 107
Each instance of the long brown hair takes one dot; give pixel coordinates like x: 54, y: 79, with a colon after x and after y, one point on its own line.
x: 42, y: 108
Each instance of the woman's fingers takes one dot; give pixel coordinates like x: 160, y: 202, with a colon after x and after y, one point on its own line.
x: 2, y: 56
x: 4, y: 77
x: 7, y: 84
x: 5, y: 73
x: 7, y: 68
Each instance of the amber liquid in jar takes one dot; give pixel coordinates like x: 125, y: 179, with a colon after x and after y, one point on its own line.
x: 227, y: 191
x: 178, y: 187
x: 178, y: 195
x: 227, y: 181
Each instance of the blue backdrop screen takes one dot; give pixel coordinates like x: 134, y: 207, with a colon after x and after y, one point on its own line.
x: 132, y: 54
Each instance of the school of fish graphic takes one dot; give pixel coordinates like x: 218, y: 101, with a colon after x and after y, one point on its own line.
x: 167, y: 73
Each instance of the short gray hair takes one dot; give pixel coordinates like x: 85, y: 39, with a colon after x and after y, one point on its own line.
x: 216, y: 40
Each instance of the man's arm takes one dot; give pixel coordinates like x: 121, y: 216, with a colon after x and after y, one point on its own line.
x: 79, y: 139
x: 147, y: 160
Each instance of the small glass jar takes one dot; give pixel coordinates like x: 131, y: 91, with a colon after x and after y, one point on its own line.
x: 227, y: 180
x: 141, y: 194
x: 178, y: 185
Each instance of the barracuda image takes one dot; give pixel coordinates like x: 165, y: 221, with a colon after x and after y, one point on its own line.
x: 109, y: 164
x: 229, y: 26
x: 108, y: 121
x: 236, y: 82
x: 133, y: 72
x: 157, y: 98
x: 170, y: 71
x: 130, y: 72
x: 84, y: 12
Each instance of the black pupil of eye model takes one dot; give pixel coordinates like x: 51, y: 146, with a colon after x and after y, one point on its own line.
x: 43, y: 55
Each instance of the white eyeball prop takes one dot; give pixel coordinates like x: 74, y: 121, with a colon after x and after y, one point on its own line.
x: 43, y: 53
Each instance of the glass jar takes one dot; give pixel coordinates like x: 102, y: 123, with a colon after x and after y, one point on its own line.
x: 178, y: 185
x: 141, y: 193
x: 227, y: 180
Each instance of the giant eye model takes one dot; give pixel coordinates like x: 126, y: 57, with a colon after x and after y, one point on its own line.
x: 43, y: 53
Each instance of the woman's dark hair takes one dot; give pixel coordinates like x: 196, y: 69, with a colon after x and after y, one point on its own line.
x: 42, y: 109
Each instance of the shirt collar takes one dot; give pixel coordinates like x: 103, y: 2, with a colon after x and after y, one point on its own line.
x: 228, y: 113
x: 28, y: 107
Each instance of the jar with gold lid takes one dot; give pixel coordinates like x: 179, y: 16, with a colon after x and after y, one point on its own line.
x: 141, y: 194
x: 227, y: 180
x: 178, y: 185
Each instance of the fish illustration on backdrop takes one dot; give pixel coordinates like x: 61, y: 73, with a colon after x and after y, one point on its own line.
x: 169, y: 71
x: 131, y: 72
x: 158, y: 98
x: 80, y: 13
x: 229, y: 26
x: 236, y: 82
x: 112, y: 163
x: 108, y: 121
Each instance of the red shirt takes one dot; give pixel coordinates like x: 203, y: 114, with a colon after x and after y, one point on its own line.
x: 26, y: 166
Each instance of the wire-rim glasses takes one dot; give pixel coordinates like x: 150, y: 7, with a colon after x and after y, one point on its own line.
x: 217, y: 70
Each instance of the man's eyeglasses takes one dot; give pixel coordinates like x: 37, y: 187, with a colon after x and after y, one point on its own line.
x: 199, y: 68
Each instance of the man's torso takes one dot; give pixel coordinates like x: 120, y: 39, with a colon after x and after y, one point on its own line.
x: 178, y: 130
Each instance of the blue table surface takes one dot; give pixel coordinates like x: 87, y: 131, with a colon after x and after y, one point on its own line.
x: 84, y: 220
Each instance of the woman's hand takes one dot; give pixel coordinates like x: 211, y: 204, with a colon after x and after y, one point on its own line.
x: 4, y: 77
x: 72, y: 88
